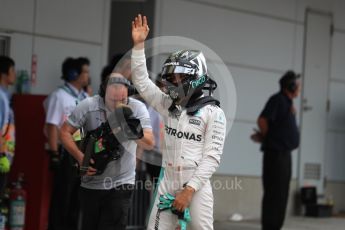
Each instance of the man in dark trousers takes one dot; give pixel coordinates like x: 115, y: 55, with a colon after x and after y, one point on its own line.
x: 279, y: 136
x: 64, y: 207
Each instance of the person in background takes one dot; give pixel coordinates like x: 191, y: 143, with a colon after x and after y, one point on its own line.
x: 107, y: 187
x: 149, y: 160
x: 119, y: 63
x: 64, y: 210
x: 279, y: 135
x: 88, y: 89
x: 7, y: 128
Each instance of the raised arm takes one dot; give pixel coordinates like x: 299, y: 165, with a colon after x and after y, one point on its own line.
x: 140, y: 77
x: 140, y: 30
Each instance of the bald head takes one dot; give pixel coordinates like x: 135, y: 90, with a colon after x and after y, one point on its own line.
x: 116, y: 74
x: 117, y: 78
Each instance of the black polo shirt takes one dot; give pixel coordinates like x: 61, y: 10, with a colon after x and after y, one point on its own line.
x: 283, y: 134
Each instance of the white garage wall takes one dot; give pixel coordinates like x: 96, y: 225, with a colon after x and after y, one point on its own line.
x: 334, y: 162
x: 339, y: 16
x: 49, y: 67
x: 17, y: 15
x: 336, y: 116
x: 335, y: 147
x: 273, y: 8
x: 21, y: 50
x: 237, y: 37
x: 338, y: 56
x: 242, y: 156
x: 258, y: 49
x: 76, y: 19
x: 54, y: 30
x: 259, y: 41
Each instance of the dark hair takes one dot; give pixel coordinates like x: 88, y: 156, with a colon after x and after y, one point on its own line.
x: 72, y: 68
x: 107, y: 70
x: 80, y: 62
x: 288, y: 81
x: 5, y: 64
x: 111, y: 66
x: 67, y: 68
x: 103, y: 85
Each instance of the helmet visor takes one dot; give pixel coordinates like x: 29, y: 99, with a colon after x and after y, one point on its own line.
x: 171, y: 69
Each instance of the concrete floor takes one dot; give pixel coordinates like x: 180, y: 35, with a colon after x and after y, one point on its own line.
x: 294, y: 223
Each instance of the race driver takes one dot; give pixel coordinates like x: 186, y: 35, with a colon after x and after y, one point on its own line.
x: 195, y: 128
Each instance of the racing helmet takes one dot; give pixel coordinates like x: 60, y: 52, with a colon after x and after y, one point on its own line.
x: 190, y: 63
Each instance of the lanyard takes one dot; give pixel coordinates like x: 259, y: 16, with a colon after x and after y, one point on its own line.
x: 71, y: 92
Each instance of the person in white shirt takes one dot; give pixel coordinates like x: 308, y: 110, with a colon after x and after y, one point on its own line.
x: 58, y: 106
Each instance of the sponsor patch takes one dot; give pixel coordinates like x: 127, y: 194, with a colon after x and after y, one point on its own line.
x: 184, y: 135
x: 217, y: 143
x: 194, y: 122
x: 217, y: 132
x: 215, y: 137
x: 220, y: 119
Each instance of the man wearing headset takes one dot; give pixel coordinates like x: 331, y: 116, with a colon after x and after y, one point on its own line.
x: 105, y: 192
x: 59, y: 105
x: 279, y: 136
x: 195, y: 128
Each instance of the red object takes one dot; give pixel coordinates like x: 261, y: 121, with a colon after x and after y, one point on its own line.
x: 31, y: 159
x: 17, y: 206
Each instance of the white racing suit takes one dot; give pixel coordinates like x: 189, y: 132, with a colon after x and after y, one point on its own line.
x: 192, y: 149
